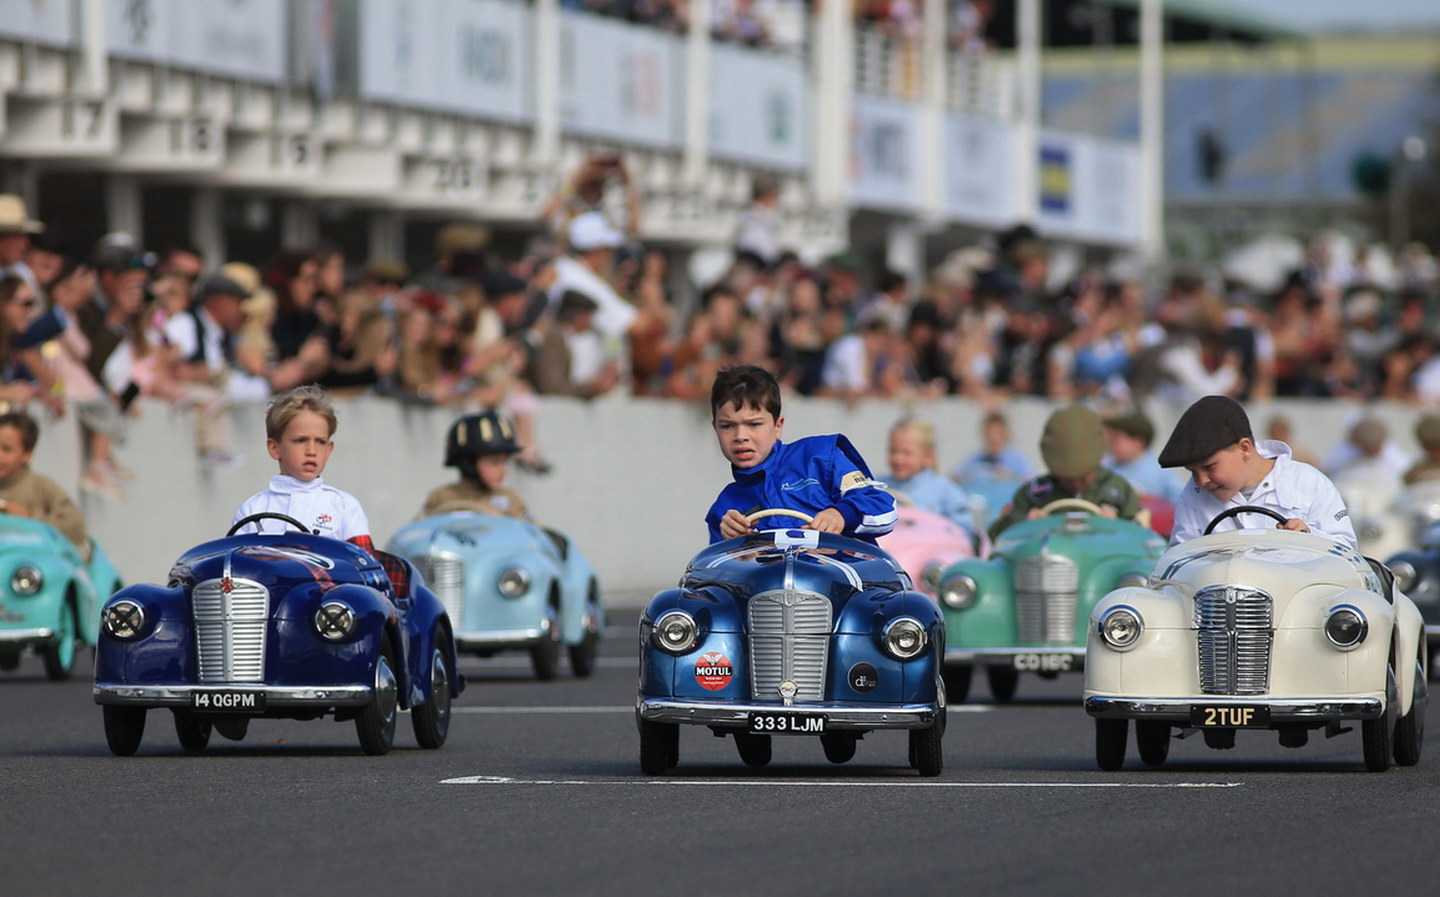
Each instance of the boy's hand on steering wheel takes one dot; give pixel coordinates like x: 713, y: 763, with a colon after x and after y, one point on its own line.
x: 734, y: 524
x: 827, y: 521
x: 1294, y: 523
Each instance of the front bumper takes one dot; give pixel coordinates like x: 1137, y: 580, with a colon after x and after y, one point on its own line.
x: 1061, y: 659
x: 847, y: 717
x: 1284, y: 710
x: 498, y: 639
x: 275, y: 695
x: 23, y: 637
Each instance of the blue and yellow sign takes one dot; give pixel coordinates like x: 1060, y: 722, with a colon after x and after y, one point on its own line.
x: 1055, y: 178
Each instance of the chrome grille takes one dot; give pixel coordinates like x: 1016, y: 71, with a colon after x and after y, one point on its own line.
x: 446, y: 578
x: 789, y: 642
x: 230, y: 630
x: 1045, y: 588
x: 1233, y: 633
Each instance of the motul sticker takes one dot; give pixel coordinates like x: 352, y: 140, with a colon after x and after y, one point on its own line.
x: 714, y: 671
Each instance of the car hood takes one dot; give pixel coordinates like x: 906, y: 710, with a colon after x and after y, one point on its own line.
x: 836, y: 567
x: 278, y: 562
x: 1279, y: 562
x: 1076, y: 536
x: 468, y: 531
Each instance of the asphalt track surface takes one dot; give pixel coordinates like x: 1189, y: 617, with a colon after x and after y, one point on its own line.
x: 538, y: 791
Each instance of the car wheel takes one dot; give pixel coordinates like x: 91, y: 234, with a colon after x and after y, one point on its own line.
x: 1110, y: 738
x: 60, y: 654
x: 839, y: 746
x: 583, y: 655
x: 957, y: 682
x: 1153, y: 740
x: 1433, y: 675
x: 1375, y: 733
x: 375, y: 724
x: 192, y: 730
x: 926, y: 754
x: 431, y: 720
x: 9, y: 660
x: 124, y: 727
x: 545, y: 654
x: 659, y: 747
x: 1002, y: 683
x: 754, y: 749
x: 1410, y: 730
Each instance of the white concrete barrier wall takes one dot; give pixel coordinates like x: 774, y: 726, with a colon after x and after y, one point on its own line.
x: 631, y: 483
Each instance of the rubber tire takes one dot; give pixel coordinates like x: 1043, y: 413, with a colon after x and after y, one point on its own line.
x: 1375, y: 733
x: 9, y: 660
x: 124, y: 727
x: 192, y: 730
x: 60, y: 654
x: 1003, y: 682
x: 1153, y: 740
x: 375, y: 730
x: 659, y: 747
x: 839, y: 747
x: 1410, y: 730
x: 927, y: 755
x: 431, y: 720
x: 583, y: 656
x: 545, y: 654
x: 957, y: 682
x: 1110, y: 738
x: 754, y: 749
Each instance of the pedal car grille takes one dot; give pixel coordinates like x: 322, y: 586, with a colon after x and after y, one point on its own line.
x: 230, y: 620
x: 1233, y: 640
x: 1045, y: 587
x: 789, y: 642
x: 446, y: 578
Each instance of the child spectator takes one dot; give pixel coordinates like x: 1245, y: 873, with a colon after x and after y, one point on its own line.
x: 912, y: 472
x: 998, y: 458
x: 1128, y: 437
x: 1214, y: 442
x: 480, y: 447
x: 299, y: 425
x: 1427, y: 433
x: 823, y: 476
x: 25, y: 493
x: 1072, y: 445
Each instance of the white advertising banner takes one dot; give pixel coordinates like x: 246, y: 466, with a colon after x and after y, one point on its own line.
x: 469, y: 56
x: 885, y: 154
x: 758, y: 107
x: 239, y: 38
x: 980, y: 171
x: 41, y: 21
x: 620, y: 81
x: 1089, y: 188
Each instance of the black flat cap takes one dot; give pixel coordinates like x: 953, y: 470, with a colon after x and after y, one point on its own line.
x: 220, y: 285
x: 1206, y: 427
x: 1133, y: 423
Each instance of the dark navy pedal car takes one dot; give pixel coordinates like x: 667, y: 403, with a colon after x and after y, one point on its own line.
x: 791, y: 632
x: 293, y: 626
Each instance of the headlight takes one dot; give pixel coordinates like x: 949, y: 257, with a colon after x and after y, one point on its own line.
x: 1132, y: 581
x: 1121, y: 627
x: 1405, y: 575
x: 335, y: 620
x: 930, y: 576
x: 675, y: 632
x: 26, y: 580
x: 1346, y: 627
x: 958, y: 592
x: 124, y: 618
x: 513, y: 582
x: 905, y: 638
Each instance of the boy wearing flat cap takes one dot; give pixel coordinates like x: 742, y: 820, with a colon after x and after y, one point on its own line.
x: 1072, y: 445
x: 1129, y: 436
x: 1229, y: 469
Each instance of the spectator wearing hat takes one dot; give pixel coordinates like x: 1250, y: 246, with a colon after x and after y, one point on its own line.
x: 204, y: 342
x: 587, y: 270
x: 16, y: 229
x: 1128, y: 437
x: 570, y: 361
x: 1427, y: 433
x: 586, y: 193
x: 1368, y: 442
x: 1213, y: 441
x: 1072, y: 445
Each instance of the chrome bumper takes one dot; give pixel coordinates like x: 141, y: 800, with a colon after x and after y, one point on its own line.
x: 275, y: 695
x: 26, y: 636
x: 1284, y: 710
x: 838, y: 716
x: 1006, y: 657
x: 497, y: 639
x: 1432, y: 630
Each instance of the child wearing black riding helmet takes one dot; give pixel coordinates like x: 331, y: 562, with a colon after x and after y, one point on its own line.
x: 480, y: 446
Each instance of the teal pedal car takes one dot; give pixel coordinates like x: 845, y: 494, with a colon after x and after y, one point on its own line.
x: 1027, y: 608
x: 49, y: 595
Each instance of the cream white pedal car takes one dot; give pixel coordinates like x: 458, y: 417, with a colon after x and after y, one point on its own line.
x: 1257, y: 629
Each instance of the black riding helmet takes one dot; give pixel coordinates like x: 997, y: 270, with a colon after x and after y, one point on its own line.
x: 473, y: 435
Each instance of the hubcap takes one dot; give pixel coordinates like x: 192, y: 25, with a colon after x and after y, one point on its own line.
x: 387, y: 689
x: 440, y: 686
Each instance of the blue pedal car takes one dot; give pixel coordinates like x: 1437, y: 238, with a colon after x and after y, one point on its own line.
x: 293, y: 626
x: 791, y: 632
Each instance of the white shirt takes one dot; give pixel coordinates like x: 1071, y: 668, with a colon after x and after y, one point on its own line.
x: 1292, y: 489
x: 327, y: 511
x: 613, y: 315
x: 845, y: 365
x: 182, y: 333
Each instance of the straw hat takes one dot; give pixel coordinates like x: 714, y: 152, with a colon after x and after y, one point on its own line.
x: 15, y: 218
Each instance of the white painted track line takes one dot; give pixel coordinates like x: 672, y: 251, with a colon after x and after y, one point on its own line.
x: 749, y: 783
x: 630, y: 708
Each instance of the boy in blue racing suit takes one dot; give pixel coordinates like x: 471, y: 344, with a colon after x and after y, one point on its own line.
x: 822, y: 476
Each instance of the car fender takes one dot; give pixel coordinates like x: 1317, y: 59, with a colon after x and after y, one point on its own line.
x: 1409, y: 643
x: 990, y: 620
x: 158, y: 652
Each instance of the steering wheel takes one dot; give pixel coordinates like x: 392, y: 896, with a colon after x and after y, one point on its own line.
x: 1235, y: 512
x: 778, y: 512
x: 268, y: 515
x: 1072, y: 504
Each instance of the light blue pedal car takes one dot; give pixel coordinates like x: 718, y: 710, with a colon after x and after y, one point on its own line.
x: 508, y: 585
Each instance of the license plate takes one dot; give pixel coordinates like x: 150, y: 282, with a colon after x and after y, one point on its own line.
x: 787, y: 723
x: 1043, y: 663
x: 228, y: 701
x: 1229, y: 716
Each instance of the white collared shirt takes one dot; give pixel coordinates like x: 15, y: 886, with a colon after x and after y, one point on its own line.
x: 325, y: 510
